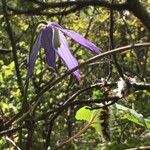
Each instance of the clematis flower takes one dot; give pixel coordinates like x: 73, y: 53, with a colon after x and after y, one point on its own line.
x: 52, y: 38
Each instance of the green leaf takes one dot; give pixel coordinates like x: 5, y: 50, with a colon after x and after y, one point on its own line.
x: 8, y: 70
x: 132, y: 115
x: 86, y: 114
x: 97, y: 94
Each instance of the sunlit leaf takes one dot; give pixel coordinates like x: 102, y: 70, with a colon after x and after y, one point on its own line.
x: 86, y: 114
x: 132, y: 115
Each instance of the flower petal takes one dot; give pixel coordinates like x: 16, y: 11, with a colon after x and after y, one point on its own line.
x: 65, y: 54
x: 78, y: 38
x: 82, y: 41
x: 33, y: 55
x: 48, y: 45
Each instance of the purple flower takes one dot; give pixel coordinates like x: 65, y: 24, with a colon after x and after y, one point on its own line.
x: 51, y: 38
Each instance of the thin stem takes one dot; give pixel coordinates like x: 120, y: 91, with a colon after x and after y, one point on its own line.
x: 79, y: 133
x: 13, y: 44
x: 37, y: 99
x: 112, y: 44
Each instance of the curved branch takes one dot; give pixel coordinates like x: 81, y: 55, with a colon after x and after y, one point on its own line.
x: 140, y: 12
x: 80, y: 4
x: 133, y: 6
x: 100, y: 56
x: 69, y: 102
x: 36, y: 100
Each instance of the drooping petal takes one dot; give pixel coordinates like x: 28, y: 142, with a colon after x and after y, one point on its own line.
x: 78, y: 38
x: 33, y: 55
x: 65, y: 54
x: 48, y: 45
x: 82, y: 41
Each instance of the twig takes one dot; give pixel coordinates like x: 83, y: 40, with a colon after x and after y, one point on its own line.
x: 72, y: 97
x: 78, y: 133
x: 112, y: 44
x: 140, y: 148
x: 112, y: 100
x: 36, y: 100
x: 79, y: 4
x: 12, y: 142
x: 11, y: 131
x: 5, y: 51
x: 13, y: 44
x: 133, y: 6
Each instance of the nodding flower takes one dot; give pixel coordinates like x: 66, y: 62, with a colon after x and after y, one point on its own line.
x: 52, y: 38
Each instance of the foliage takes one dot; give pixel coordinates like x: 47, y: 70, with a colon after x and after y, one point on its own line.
x: 49, y: 110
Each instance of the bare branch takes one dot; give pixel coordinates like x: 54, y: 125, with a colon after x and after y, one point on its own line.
x: 133, y: 6
x: 80, y: 4
x: 140, y: 12
x: 36, y: 100
x: 13, y: 44
x: 140, y: 148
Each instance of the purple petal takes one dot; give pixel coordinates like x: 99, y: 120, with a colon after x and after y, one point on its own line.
x: 33, y: 55
x: 54, y: 24
x: 78, y: 38
x: 82, y: 41
x: 65, y: 54
x: 48, y: 45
